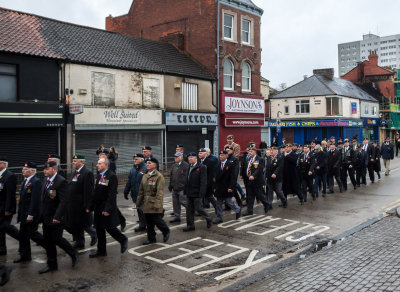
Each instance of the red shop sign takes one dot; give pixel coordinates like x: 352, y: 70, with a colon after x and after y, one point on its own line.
x: 238, y: 122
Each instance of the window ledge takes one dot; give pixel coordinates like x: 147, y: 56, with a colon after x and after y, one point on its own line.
x: 231, y: 41
x: 247, y: 45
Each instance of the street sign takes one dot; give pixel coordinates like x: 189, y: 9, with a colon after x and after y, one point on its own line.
x: 278, y: 125
x: 75, y: 109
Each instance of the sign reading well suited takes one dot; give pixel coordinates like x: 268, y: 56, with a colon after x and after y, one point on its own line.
x: 102, y: 116
x: 244, y: 105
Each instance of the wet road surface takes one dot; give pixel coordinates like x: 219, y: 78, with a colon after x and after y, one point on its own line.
x: 208, y: 259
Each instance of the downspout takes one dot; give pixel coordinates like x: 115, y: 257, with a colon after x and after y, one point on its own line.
x: 218, y: 73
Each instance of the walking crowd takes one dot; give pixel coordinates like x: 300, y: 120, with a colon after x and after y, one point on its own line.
x: 88, y: 202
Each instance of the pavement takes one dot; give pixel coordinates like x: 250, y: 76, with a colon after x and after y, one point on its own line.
x: 233, y: 255
x: 368, y: 260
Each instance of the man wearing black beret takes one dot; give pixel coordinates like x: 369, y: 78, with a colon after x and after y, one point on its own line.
x: 56, y: 158
x: 8, y: 187
x: 147, y: 153
x: 29, y: 210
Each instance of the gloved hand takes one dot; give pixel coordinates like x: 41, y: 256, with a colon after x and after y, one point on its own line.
x: 126, y: 197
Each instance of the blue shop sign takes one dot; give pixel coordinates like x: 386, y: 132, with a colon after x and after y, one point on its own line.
x: 371, y: 122
x: 325, y: 123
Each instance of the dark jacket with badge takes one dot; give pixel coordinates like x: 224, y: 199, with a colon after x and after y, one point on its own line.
x: 274, y: 166
x: 178, y: 176
x: 348, y: 155
x: 105, y: 200
x: 321, y: 161
x: 361, y: 159
x: 30, y: 200
x: 387, y: 151
x: 377, y: 164
x: 8, y: 188
x: 225, y: 179
x: 80, y: 196
x: 134, y: 180
x: 196, y: 181
x: 151, y: 193
x: 235, y: 164
x: 54, y: 200
x: 334, y: 161
x: 210, y: 175
x: 306, y: 164
x: 256, y: 170
x: 291, y: 182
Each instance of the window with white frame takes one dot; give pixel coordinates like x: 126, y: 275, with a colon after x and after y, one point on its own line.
x: 228, y: 75
x: 246, y: 77
x: 334, y: 106
x: 189, y: 96
x: 286, y: 110
x: 366, y: 111
x: 374, y: 110
x: 228, y: 26
x: 302, y: 106
x: 246, y: 31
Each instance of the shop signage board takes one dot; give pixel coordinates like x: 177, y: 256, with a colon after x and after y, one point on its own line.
x: 243, y: 122
x: 322, y: 123
x: 244, y: 105
x: 353, y: 108
x: 190, y: 119
x: 118, y: 116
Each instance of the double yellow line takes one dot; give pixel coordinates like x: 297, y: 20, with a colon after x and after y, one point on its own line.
x: 391, y: 206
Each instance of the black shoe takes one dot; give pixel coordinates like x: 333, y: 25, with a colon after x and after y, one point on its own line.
x: 140, y: 229
x: 324, y: 195
x: 330, y: 192
x: 93, y: 241
x: 186, y: 229
x: 147, y: 242
x: 197, y: 215
x: 124, y: 245
x: 97, y: 254
x: 372, y: 182
x: 283, y: 205
x: 217, y: 221
x: 78, y: 245
x: 22, y: 260
x: 358, y: 186
x: 209, y: 223
x: 75, y: 260
x: 166, y: 236
x: 172, y: 214
x: 314, y: 198
x: 247, y: 214
x: 175, y: 220
x: 239, y: 214
x: 6, y: 276
x: 123, y: 225
x: 4, y: 252
x: 267, y: 208
x: 341, y: 191
x: 47, y: 269
x: 355, y: 187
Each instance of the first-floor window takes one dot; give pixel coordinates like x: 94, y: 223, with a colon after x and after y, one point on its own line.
x: 228, y: 74
x: 334, y: 106
x: 8, y: 82
x: 246, y: 77
x: 302, y: 106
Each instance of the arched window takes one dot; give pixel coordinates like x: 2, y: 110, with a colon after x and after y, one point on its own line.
x: 246, y: 77
x: 228, y: 75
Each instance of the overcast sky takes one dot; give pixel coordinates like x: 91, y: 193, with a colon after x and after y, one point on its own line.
x: 296, y: 36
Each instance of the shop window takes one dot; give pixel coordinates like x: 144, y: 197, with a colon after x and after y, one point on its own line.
x: 302, y: 106
x: 334, y: 106
x: 246, y: 77
x: 189, y: 96
x: 8, y: 82
x: 228, y: 75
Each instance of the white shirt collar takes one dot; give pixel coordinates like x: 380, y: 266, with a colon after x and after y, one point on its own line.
x: 28, y: 179
x: 151, y: 173
x: 79, y: 170
x: 1, y: 172
x: 53, y: 177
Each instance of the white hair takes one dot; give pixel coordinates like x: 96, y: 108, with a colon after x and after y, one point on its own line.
x: 106, y: 161
x: 5, y: 162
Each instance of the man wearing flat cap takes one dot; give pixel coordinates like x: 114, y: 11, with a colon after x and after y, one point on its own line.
x: 177, y: 185
x: 56, y: 158
x: 80, y: 196
x: 29, y: 210
x: 235, y: 146
x: 54, y: 206
x: 8, y: 187
x: 132, y: 186
x: 195, y: 190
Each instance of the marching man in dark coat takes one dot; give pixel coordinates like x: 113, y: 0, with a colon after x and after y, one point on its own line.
x: 255, y: 177
x: 320, y: 170
x: 387, y: 151
x: 291, y: 183
x: 53, y: 217
x: 225, y: 182
x: 195, y: 190
x: 105, y: 209
x: 306, y: 165
x: 360, y: 163
x: 377, y: 163
x: 80, y: 196
x: 274, y: 173
x: 151, y: 200
x: 347, y: 164
x: 334, y: 163
x: 29, y: 210
x: 8, y: 187
x: 369, y: 149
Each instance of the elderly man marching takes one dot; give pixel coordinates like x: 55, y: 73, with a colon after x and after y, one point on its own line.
x: 151, y: 198
x: 177, y: 185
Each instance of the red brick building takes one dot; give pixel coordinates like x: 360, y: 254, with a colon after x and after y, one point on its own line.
x: 224, y: 37
x: 369, y: 74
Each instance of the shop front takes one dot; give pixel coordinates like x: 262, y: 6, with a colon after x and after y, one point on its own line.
x: 371, y: 129
x: 125, y: 128
x: 303, y: 132
x: 242, y: 116
x: 192, y: 130
x: 30, y: 131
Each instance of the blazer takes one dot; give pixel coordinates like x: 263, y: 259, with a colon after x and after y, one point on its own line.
x: 196, y: 181
x: 30, y: 200
x: 8, y: 188
x: 54, y: 200
x: 274, y: 166
x: 256, y: 170
x: 225, y: 179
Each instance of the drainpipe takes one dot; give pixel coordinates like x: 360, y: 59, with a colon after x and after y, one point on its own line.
x: 218, y: 74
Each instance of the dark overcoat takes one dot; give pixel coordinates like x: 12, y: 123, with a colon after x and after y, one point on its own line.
x: 54, y: 201
x: 196, y: 181
x: 225, y: 179
x: 30, y: 200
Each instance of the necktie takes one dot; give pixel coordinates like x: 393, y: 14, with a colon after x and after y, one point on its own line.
x: 48, y: 183
x: 249, y: 168
x: 23, y: 185
x: 222, y: 165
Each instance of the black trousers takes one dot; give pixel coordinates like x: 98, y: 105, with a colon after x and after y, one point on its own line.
x: 350, y: 171
x: 153, y: 220
x: 79, y: 234
x: 121, y: 217
x: 254, y: 191
x: 28, y: 231
x: 307, y: 185
x: 359, y: 175
x: 334, y: 173
x: 195, y: 204
x: 275, y: 186
x: 371, y: 171
x: 53, y: 236
x: 102, y: 241
x: 7, y: 228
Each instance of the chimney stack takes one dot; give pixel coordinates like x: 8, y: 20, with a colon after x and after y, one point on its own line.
x: 373, y: 58
x: 328, y: 72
